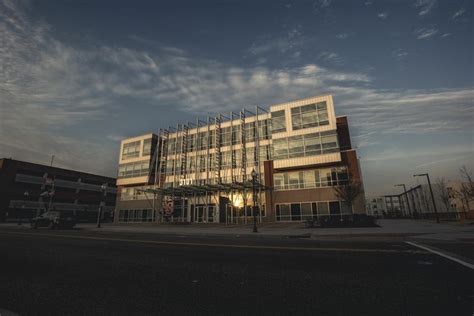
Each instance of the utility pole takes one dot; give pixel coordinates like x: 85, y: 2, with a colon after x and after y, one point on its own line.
x: 431, y: 191
x: 406, y: 196
x: 254, y: 187
x: 103, y: 189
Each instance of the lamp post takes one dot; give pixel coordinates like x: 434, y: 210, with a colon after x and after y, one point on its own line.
x: 103, y: 190
x: 431, y: 191
x: 406, y: 196
x: 254, y: 187
x: 25, y: 196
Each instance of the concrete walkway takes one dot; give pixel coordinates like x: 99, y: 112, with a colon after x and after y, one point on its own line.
x: 389, y: 228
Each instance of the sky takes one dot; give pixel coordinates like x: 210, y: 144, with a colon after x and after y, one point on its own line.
x: 78, y: 76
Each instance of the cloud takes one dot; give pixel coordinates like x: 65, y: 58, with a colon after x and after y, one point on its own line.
x: 425, y: 33
x: 425, y: 6
x: 289, y: 42
x: 321, y: 4
x: 446, y: 35
x: 399, y: 54
x: 458, y: 14
x: 342, y: 36
x: 382, y: 15
x: 331, y: 57
x: 49, y: 88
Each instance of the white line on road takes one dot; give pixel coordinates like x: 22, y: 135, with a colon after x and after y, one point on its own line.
x: 439, y: 253
x: 199, y: 244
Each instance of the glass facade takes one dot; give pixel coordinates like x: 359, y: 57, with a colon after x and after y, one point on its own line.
x: 297, y: 212
x: 311, y: 115
x: 315, y: 178
x: 278, y: 122
x: 147, y: 147
x: 135, y: 215
x: 305, y: 145
x: 134, y: 169
x: 131, y: 150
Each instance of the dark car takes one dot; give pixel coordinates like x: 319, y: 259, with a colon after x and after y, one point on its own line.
x: 54, y: 219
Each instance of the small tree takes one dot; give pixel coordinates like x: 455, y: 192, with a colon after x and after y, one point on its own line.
x: 466, y: 190
x: 444, y: 193
x: 349, y: 192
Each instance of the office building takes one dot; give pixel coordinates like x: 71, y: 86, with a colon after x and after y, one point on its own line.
x: 29, y: 189
x: 286, y: 160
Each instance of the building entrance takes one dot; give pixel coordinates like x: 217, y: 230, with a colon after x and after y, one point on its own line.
x: 199, y: 214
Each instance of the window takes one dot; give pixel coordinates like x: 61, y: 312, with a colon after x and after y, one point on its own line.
x: 279, y: 181
x: 278, y: 122
x: 313, y: 178
x: 140, y: 215
x: 311, y: 115
x: 334, y: 208
x: 280, y: 148
x: 296, y: 212
x: 147, y: 144
x: 263, y: 130
x: 131, y: 170
x: 305, y: 145
x: 323, y: 208
x: 283, y: 212
x: 306, y: 211
x: 295, y: 146
x: 131, y: 150
x: 226, y: 136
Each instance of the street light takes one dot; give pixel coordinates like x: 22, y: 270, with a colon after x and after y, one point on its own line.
x: 254, y: 187
x: 25, y: 196
x: 431, y: 191
x: 103, y: 190
x: 406, y: 195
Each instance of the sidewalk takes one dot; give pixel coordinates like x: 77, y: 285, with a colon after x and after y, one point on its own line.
x: 399, y: 229
x: 388, y: 228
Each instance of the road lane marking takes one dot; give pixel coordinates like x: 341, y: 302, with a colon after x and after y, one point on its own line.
x: 439, y: 253
x: 177, y: 243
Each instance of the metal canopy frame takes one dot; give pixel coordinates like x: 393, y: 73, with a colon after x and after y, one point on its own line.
x: 212, y: 177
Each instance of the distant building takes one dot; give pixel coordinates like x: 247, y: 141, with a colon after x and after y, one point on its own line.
x: 296, y: 152
x: 375, y: 206
x: 29, y: 189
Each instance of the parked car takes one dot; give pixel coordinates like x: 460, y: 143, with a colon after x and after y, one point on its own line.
x: 54, y: 219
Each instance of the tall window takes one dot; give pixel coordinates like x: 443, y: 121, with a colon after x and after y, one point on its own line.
x: 311, y: 115
x: 147, y: 146
x: 131, y: 150
x: 278, y: 122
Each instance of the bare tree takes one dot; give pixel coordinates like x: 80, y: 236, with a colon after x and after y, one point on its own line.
x: 444, y: 193
x: 466, y: 189
x: 349, y: 192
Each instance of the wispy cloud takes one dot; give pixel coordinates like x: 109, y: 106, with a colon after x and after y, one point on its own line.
x: 331, y: 57
x: 446, y: 35
x: 425, y: 6
x: 321, y: 4
x: 399, y: 54
x: 289, y: 41
x: 425, y: 33
x: 342, y: 36
x: 458, y: 14
x: 49, y: 87
x: 382, y: 15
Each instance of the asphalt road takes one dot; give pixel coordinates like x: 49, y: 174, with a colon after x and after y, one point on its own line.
x: 78, y: 272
